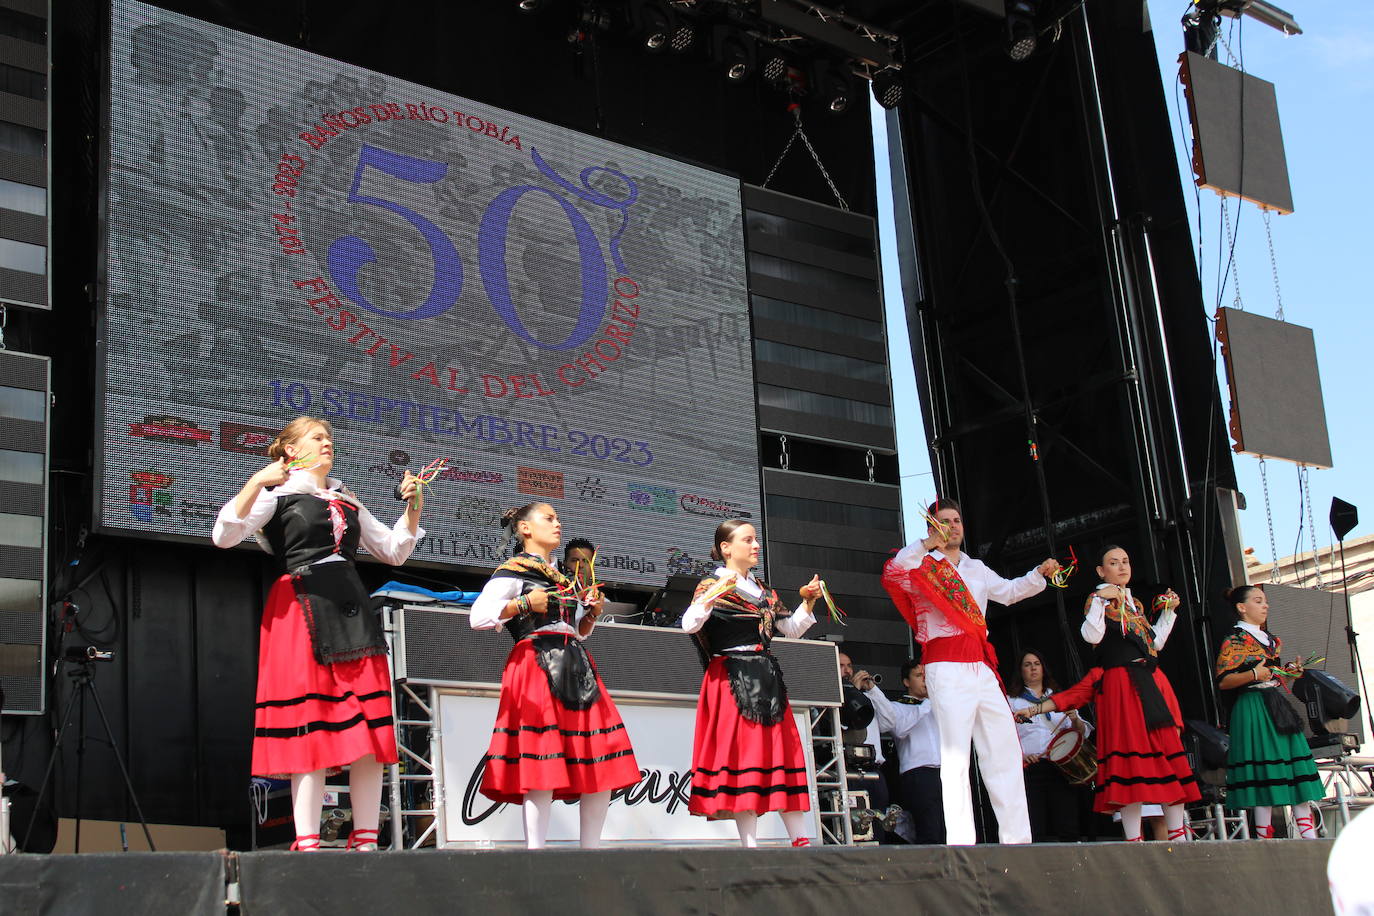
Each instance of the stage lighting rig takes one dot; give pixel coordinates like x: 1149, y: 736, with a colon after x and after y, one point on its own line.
x: 792, y: 20
x: 832, y: 85
x: 1021, y: 36
x: 887, y: 87
x: 735, y: 53
x: 1260, y: 11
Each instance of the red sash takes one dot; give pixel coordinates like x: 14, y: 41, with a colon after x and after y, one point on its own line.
x: 937, y: 585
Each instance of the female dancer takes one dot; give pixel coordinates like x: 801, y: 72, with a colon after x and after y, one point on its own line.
x: 747, y: 755
x: 558, y: 734
x: 1269, y: 762
x: 324, y: 690
x: 1140, y: 758
x: 1052, y: 802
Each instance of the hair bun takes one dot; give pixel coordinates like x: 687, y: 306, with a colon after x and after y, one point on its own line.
x: 509, y: 516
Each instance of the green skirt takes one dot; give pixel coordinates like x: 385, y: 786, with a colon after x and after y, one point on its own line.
x: 1264, y: 767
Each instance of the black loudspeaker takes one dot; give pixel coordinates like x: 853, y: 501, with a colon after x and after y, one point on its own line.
x: 1326, y: 698
x: 1344, y: 517
x: 1209, y: 743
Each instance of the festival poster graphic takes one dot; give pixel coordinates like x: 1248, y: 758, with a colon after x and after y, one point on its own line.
x: 558, y: 316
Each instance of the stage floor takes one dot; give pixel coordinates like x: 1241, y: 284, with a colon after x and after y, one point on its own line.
x: 1276, y: 876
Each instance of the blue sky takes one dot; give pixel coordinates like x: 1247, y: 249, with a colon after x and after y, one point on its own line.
x: 1324, y: 80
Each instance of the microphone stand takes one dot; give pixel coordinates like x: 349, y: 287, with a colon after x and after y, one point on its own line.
x: 1356, y: 666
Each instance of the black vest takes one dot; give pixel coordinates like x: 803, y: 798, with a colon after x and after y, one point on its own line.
x: 1116, y: 650
x: 726, y: 629
x: 301, y: 531
x: 560, y: 608
x: 337, y: 609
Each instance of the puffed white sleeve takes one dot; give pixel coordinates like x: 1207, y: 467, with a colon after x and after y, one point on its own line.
x: 1095, y: 621
x: 695, y: 616
x: 1164, y: 626
x: 486, y: 610
x: 231, y: 530
x: 801, y: 620
x: 390, y: 545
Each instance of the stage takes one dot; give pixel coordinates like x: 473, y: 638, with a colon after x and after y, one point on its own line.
x: 1274, y: 876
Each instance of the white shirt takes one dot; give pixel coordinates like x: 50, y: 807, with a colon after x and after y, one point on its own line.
x: 793, y: 627
x: 1036, y: 734
x: 914, y: 727
x: 498, y: 592
x: 983, y: 585
x: 390, y: 545
x: 1095, y: 621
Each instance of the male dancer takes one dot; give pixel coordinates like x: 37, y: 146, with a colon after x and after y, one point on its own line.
x: 943, y: 593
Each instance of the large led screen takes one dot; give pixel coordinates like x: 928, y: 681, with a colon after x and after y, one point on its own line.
x: 559, y: 316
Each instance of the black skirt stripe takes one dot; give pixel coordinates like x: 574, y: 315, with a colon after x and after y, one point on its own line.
x: 1142, y: 754
x: 571, y: 761
x: 324, y: 698
x: 747, y: 790
x: 1144, y: 780
x: 320, y: 726
x: 740, y: 772
x: 1267, y: 763
x: 567, y: 732
x: 1270, y: 783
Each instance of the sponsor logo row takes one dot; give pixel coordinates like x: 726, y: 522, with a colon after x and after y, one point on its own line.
x: 539, y: 483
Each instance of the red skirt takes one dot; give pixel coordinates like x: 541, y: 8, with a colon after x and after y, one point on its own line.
x: 738, y: 765
x: 311, y: 716
x: 540, y: 744
x: 1136, y: 764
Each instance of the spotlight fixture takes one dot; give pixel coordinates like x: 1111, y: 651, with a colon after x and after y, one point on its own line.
x: 887, y: 87
x: 774, y: 68
x: 1021, y: 38
x: 832, y: 86
x: 682, y: 38
x: 654, y: 25
x: 735, y: 54
x: 530, y: 6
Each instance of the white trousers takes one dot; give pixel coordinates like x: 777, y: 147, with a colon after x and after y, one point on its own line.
x: 969, y: 704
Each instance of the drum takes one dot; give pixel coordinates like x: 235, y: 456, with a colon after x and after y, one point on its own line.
x: 1074, y: 755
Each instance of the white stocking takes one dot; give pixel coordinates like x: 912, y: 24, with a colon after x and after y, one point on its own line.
x: 537, y: 805
x: 747, y: 823
x: 1173, y: 819
x: 1130, y: 821
x: 1304, y: 809
x: 365, y: 792
x: 1264, y: 818
x: 592, y: 817
x: 307, y: 798
x: 795, y: 822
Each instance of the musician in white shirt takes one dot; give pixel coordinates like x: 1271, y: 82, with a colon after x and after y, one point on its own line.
x: 1053, y: 803
x: 911, y: 721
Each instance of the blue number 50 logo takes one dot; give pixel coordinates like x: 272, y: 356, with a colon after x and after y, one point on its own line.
x: 348, y: 255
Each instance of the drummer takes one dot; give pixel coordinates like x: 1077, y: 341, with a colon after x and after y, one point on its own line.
x: 1053, y: 802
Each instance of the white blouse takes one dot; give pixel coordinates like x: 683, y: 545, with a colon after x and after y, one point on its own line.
x: 498, y: 592
x: 390, y: 545
x: 792, y: 627
x: 1095, y: 622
